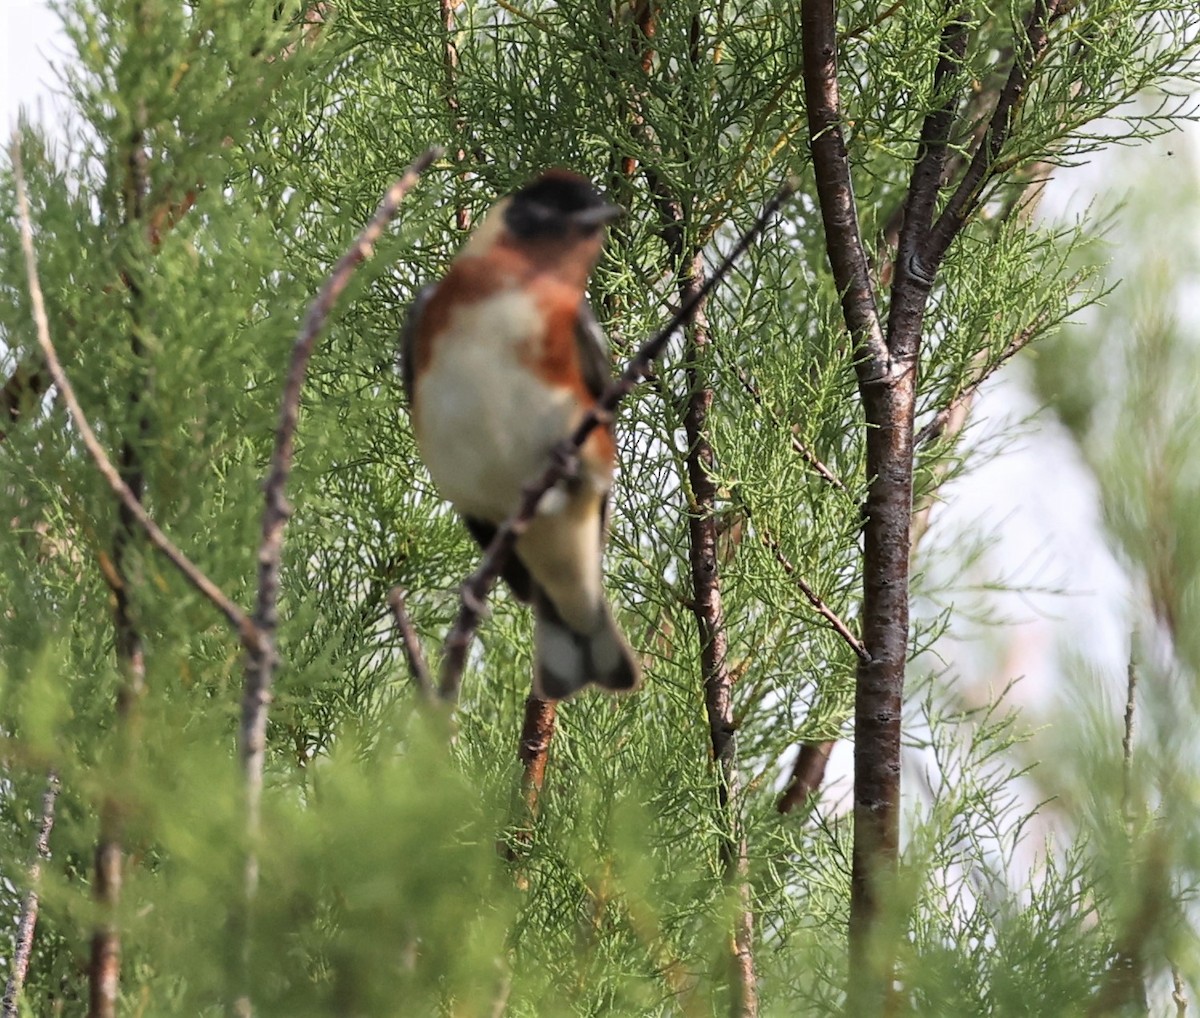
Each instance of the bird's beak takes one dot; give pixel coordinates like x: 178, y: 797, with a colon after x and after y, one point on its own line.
x: 597, y: 215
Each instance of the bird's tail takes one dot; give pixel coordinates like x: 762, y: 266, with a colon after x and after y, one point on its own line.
x: 567, y: 660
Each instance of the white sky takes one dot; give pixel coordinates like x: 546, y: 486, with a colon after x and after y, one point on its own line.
x: 30, y: 40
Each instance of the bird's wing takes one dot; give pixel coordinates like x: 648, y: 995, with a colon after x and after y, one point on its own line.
x: 592, y: 344
x: 597, y: 372
x: 408, y: 337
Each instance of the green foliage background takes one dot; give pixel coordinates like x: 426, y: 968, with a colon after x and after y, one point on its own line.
x: 383, y: 888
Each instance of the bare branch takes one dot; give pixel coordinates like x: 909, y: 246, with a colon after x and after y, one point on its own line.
x: 886, y: 371
x: 709, y: 612
x: 937, y: 427
x: 410, y: 642
x: 1177, y: 993
x: 536, y: 732
x: 262, y: 657
x: 27, y: 922
x: 966, y: 196
x: 476, y: 587
x: 822, y: 609
x: 802, y: 450
x: 462, y: 215
x: 1131, y: 679
x: 926, y: 179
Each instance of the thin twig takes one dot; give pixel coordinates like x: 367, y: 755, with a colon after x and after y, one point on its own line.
x: 104, y: 968
x: 709, y: 612
x: 410, y: 642
x: 937, y: 427
x: 237, y: 618
x: 27, y: 923
x: 1131, y: 679
x: 262, y: 657
x: 476, y: 587
x: 462, y: 214
x: 822, y: 609
x: 798, y: 446
x: 966, y: 196
x: 1177, y: 993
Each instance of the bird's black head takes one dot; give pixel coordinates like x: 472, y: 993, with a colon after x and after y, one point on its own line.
x: 558, y: 204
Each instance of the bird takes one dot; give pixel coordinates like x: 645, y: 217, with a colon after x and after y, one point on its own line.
x: 501, y: 359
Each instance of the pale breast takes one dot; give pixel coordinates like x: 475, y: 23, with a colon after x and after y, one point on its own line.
x: 484, y: 422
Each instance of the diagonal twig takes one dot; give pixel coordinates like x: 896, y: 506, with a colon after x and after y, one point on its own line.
x: 192, y: 573
x: 966, y: 196
x: 822, y: 609
x: 798, y: 447
x: 476, y: 587
x: 262, y: 657
x: 411, y: 644
x: 808, y: 773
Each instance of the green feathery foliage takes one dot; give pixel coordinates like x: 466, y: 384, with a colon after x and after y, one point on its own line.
x: 222, y: 158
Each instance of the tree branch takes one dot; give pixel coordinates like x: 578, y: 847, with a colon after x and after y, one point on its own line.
x: 835, y: 191
x: 27, y: 922
x: 476, y: 587
x: 462, y: 215
x: 417, y: 667
x: 798, y: 447
x: 926, y: 180
x: 966, y: 196
x: 262, y: 657
x: 887, y: 390
x: 104, y: 972
x: 709, y: 612
x: 22, y: 389
x: 822, y: 609
x: 808, y: 773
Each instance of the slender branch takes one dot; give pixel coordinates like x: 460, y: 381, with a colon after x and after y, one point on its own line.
x: 798, y: 447
x: 966, y: 196
x: 410, y: 642
x: 937, y: 427
x: 1131, y: 679
x: 476, y: 587
x: 951, y: 423
x: 822, y: 609
x: 1123, y: 987
x: 104, y: 970
x: 237, y: 618
x: 835, y: 191
x: 926, y: 180
x: 462, y: 215
x: 262, y: 658
x: 536, y: 732
x: 27, y: 923
x: 709, y: 612
x: 1178, y: 994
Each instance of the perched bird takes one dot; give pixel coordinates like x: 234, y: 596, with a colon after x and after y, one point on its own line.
x: 501, y: 360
